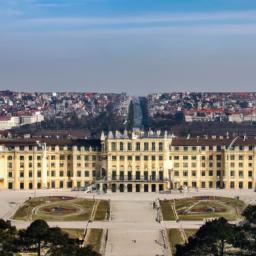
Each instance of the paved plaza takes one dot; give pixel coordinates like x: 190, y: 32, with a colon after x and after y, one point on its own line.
x: 132, y: 228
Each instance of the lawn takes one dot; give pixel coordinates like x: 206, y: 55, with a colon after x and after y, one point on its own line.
x: 102, y: 211
x: 60, y: 208
x: 74, y: 233
x: 94, y: 239
x: 166, y: 209
x: 200, y: 208
x: 175, y: 237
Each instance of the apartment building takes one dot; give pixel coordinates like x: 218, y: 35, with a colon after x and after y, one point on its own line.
x: 129, y: 162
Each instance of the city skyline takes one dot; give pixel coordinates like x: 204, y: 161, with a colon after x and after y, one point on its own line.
x: 139, y: 47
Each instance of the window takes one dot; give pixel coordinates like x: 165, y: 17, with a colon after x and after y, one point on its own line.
x: 130, y: 158
x: 30, y: 174
x: 121, y: 146
x: 78, y: 173
x: 153, y: 146
x: 86, y: 173
x: 78, y: 158
x: 52, y: 157
x: 9, y: 174
x: 250, y: 173
x: 145, y: 158
x: 21, y: 185
x: 121, y: 175
x: 38, y: 174
x: 146, y: 146
x: 145, y: 175
x: 153, y: 176
x: 21, y: 174
x: 9, y: 158
x: 113, y: 158
x: 160, y: 158
x: 61, y: 173
x: 137, y: 158
x: 153, y: 158
x: 137, y: 175
x: 160, y: 146
x: 121, y: 158
x: 176, y: 157
x: 161, y: 175
x: 10, y: 185
x: 113, y: 146
x: 129, y: 146
x: 21, y: 158
x: 137, y: 146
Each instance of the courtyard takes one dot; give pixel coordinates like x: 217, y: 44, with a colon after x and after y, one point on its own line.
x: 62, y: 208
x: 131, y: 228
x: 202, y: 208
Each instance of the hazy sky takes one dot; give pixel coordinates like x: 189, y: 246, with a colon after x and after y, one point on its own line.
x: 138, y: 46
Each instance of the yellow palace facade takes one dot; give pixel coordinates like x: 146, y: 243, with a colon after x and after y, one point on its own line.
x: 129, y: 162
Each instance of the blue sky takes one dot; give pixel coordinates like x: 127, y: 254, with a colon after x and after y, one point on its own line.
x: 137, y: 46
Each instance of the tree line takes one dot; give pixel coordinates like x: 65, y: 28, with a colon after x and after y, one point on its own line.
x: 41, y: 240
x: 220, y: 238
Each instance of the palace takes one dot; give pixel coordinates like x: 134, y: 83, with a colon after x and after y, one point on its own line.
x: 129, y: 162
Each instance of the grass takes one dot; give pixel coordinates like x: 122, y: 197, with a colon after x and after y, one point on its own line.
x: 175, y: 238
x: 190, y: 232
x: 166, y: 209
x: 94, y: 239
x: 228, y: 208
x: 102, y: 210
x: 74, y: 233
x: 82, y: 209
